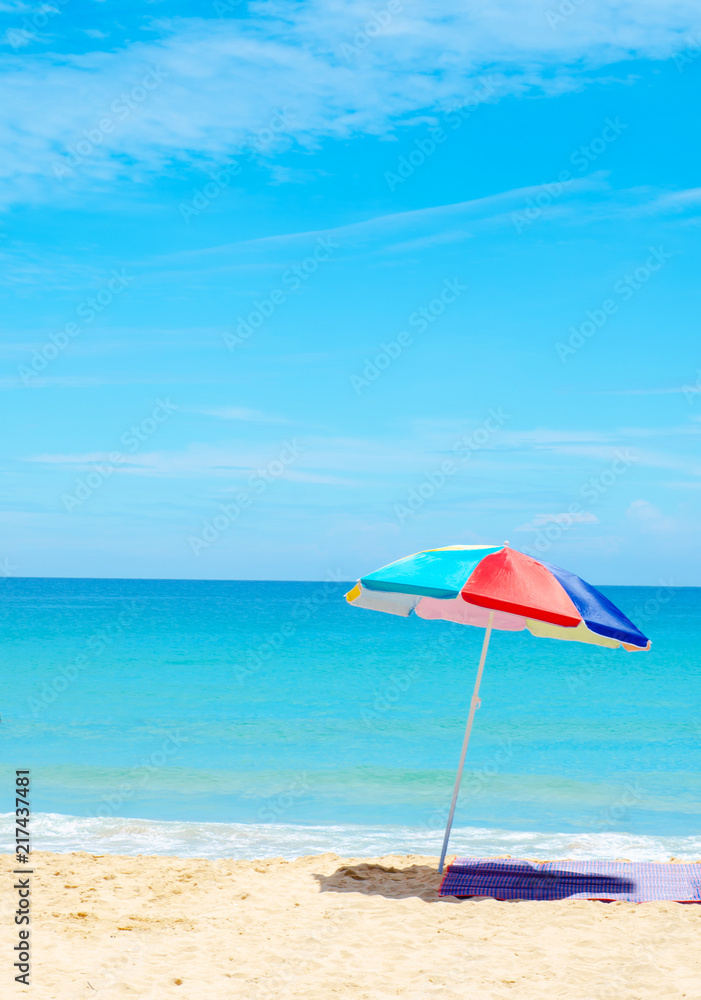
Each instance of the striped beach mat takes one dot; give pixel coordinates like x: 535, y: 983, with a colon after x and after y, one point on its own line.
x: 633, y: 881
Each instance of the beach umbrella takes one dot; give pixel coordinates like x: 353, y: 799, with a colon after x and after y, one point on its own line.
x: 495, y: 587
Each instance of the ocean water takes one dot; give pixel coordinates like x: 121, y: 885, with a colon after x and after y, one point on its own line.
x: 246, y: 719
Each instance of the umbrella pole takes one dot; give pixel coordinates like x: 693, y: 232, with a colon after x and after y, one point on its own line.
x: 474, y: 704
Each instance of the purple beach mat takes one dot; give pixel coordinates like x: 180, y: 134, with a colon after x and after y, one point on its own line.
x: 632, y: 881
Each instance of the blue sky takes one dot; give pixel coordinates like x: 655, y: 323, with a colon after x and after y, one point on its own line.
x: 293, y: 289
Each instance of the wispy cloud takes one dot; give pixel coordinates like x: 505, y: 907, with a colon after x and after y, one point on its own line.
x: 564, y: 518
x: 649, y: 518
x: 676, y: 201
x: 240, y: 413
x: 14, y: 7
x: 669, y: 390
x: 102, y: 381
x: 294, y: 55
x: 400, y: 457
x: 442, y: 223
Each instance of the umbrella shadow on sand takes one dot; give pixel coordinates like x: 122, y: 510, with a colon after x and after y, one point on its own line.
x: 423, y: 882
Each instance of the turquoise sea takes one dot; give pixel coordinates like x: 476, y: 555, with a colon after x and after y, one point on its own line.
x: 247, y: 719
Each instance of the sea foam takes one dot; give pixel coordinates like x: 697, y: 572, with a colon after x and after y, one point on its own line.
x: 56, y: 832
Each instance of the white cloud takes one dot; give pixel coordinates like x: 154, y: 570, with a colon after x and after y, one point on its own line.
x: 97, y: 381
x: 649, y: 518
x: 398, y: 457
x: 82, y: 459
x: 191, y: 462
x: 239, y: 413
x: 564, y: 519
x: 442, y: 223
x: 224, y: 80
x: 675, y: 201
x: 316, y: 478
x: 647, y: 392
x: 545, y: 438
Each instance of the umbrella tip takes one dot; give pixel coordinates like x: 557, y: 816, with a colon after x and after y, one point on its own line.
x: 506, y: 545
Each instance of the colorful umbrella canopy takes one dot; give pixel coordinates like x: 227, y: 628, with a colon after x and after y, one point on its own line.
x: 461, y: 583
x: 494, y: 586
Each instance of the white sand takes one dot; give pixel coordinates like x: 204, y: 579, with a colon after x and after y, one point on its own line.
x: 326, y: 927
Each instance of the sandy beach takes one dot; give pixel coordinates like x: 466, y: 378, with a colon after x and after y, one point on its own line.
x: 325, y: 926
